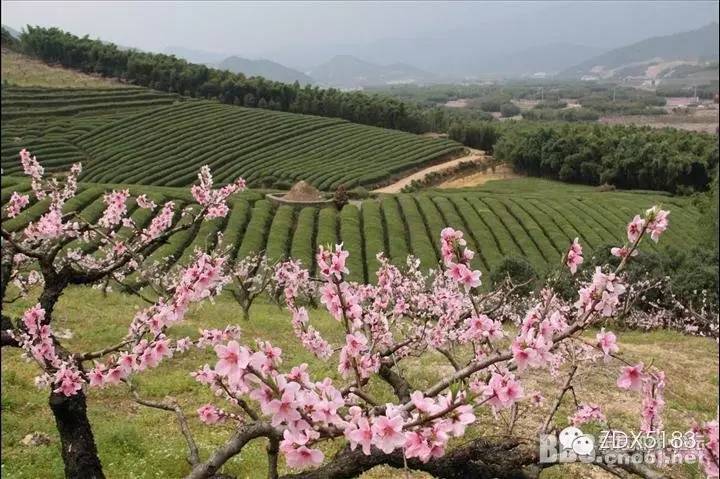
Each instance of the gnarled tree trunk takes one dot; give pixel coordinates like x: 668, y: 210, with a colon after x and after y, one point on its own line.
x: 479, y: 459
x: 76, y: 437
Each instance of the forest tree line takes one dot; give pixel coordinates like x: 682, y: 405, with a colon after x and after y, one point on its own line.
x: 628, y: 157
x: 171, y: 74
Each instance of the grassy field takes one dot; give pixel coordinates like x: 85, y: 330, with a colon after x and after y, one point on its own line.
x: 136, y: 442
x: 533, y: 218
x: 18, y: 69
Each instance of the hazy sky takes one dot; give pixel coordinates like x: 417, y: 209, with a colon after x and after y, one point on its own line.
x: 264, y: 25
x: 284, y: 29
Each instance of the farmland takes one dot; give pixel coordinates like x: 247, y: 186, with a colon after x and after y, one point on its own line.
x: 101, y: 311
x: 48, y: 121
x: 264, y: 146
x: 136, y: 135
x: 501, y: 219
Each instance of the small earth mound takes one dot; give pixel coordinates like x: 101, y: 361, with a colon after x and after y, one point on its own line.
x: 303, y: 191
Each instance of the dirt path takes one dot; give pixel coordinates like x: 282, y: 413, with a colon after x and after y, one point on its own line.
x: 475, y: 155
x: 502, y: 172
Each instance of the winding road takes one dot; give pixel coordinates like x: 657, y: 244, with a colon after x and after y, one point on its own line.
x: 474, y: 155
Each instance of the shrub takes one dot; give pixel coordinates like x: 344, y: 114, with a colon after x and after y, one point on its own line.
x: 359, y: 193
x: 340, y: 197
x: 351, y: 236
x: 518, y: 270
x: 509, y: 109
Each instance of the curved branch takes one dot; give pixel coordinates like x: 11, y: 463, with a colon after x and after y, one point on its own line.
x: 172, y: 406
x: 238, y: 440
x: 102, y: 352
x: 399, y: 384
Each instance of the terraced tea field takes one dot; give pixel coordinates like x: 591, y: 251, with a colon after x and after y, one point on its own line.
x: 504, y: 218
x: 136, y: 135
x: 48, y: 121
x: 168, y: 145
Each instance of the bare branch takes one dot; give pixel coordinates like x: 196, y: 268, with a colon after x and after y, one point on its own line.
x: 558, y: 401
x: 238, y: 440
x: 171, y: 405
x: 102, y: 352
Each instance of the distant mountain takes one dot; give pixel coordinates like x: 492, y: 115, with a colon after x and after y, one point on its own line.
x: 550, y: 58
x: 264, y: 68
x: 696, y: 45
x: 347, y: 71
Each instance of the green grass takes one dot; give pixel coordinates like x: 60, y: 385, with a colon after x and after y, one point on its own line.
x: 137, y: 442
x: 18, y: 69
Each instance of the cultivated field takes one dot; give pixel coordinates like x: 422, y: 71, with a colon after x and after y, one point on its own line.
x: 536, y: 219
x: 49, y: 121
x: 136, y: 135
x: 264, y: 146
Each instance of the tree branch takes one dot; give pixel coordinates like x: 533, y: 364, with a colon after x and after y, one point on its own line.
x: 102, y: 352
x: 480, y: 459
x: 558, y: 401
x: 399, y: 384
x: 171, y: 405
x: 239, y: 439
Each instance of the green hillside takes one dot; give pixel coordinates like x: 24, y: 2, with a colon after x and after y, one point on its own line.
x: 535, y: 219
x: 701, y: 43
x: 137, y: 135
x: 168, y: 145
x: 48, y: 121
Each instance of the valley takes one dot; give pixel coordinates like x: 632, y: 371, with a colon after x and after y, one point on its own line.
x: 424, y: 274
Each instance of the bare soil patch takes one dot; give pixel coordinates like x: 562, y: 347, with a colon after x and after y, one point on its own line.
x: 459, y: 103
x: 502, y: 172
x: 695, y: 119
x: 473, y: 156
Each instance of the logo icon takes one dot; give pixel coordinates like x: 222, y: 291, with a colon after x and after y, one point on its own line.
x: 583, y: 445
x: 568, y: 435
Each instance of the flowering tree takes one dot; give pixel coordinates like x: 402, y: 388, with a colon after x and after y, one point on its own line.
x: 406, y: 316
x: 48, y: 254
x: 251, y: 277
